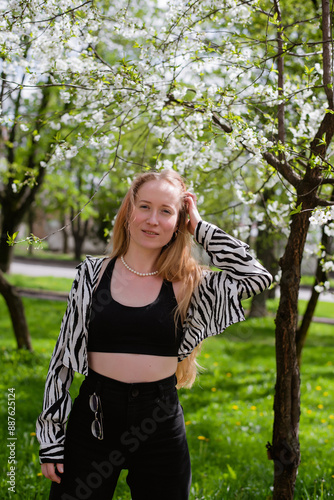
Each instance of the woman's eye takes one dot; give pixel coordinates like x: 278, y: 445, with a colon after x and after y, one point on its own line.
x: 143, y: 206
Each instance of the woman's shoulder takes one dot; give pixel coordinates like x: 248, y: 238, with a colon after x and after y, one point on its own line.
x: 92, y: 264
x: 93, y: 260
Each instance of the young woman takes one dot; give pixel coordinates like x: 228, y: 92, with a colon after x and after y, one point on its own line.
x: 133, y: 325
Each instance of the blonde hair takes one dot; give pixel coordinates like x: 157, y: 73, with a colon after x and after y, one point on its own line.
x: 175, y: 262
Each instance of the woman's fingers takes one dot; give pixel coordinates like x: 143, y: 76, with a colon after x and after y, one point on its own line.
x: 50, y: 472
x: 194, y: 216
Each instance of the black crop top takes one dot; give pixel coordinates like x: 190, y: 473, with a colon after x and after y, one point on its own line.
x: 149, y: 329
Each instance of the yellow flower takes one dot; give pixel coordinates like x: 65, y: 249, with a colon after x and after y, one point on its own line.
x: 325, y: 394
x: 253, y: 407
x: 206, y: 355
x: 33, y: 434
x: 331, y: 416
x: 228, y: 374
x: 323, y: 420
x: 318, y: 388
x: 238, y: 423
x: 188, y: 422
x: 202, y: 438
x: 309, y: 411
x: 213, y: 389
x: 320, y: 407
x: 215, y: 363
x: 39, y: 474
x: 235, y: 407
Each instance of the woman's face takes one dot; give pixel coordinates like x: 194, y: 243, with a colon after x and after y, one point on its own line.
x: 155, y: 215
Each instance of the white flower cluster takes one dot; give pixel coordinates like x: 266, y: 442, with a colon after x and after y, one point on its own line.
x: 321, y: 216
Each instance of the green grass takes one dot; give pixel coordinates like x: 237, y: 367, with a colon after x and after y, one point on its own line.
x: 309, y: 281
x: 41, y: 253
x: 228, y: 412
x: 40, y: 282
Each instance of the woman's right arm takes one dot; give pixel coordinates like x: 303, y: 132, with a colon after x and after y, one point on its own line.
x: 50, y: 426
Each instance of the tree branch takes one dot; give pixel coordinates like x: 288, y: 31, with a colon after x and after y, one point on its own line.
x: 326, y: 52
x: 283, y: 168
x: 280, y: 68
x: 324, y: 203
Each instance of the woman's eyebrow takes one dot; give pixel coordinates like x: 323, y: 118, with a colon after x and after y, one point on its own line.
x: 163, y: 204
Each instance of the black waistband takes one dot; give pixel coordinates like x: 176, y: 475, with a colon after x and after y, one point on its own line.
x: 101, y: 382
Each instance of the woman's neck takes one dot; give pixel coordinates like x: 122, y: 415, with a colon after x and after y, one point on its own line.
x: 142, y: 260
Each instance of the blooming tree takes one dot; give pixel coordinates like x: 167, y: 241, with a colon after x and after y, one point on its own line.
x: 237, y: 96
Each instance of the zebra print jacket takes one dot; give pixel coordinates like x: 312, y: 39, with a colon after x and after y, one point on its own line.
x: 214, y: 306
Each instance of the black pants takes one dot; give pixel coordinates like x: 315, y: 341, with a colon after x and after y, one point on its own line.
x: 144, y: 432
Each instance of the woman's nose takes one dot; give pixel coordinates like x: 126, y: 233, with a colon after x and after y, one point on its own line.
x: 153, y: 218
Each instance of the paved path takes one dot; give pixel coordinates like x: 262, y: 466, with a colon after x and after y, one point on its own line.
x: 68, y: 270
x: 43, y: 269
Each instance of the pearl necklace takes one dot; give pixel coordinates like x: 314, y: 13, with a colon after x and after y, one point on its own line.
x: 136, y: 272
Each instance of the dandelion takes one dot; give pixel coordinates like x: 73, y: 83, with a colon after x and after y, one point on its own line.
x: 238, y: 423
x: 320, y: 407
x: 318, y: 388
x: 213, y: 389
x: 235, y: 407
x: 188, y: 422
x: 206, y: 356
x: 331, y: 417
x: 202, y: 438
x: 323, y: 420
x: 215, y: 363
x: 228, y: 374
x: 39, y: 474
x: 33, y: 434
x: 325, y: 394
x: 253, y: 407
x: 309, y: 411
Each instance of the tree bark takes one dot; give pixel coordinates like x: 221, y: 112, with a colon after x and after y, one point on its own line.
x: 320, y: 277
x: 285, y: 450
x: 16, y: 311
x: 79, y: 232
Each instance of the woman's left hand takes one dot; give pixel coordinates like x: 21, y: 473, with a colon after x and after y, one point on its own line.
x: 194, y: 216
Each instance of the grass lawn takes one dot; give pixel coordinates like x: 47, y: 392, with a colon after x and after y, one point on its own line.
x: 228, y: 412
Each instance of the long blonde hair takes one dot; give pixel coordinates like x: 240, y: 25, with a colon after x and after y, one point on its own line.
x: 175, y: 262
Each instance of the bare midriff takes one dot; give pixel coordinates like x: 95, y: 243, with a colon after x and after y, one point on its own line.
x: 132, y: 368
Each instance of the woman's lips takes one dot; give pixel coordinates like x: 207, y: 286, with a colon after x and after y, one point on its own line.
x: 150, y: 233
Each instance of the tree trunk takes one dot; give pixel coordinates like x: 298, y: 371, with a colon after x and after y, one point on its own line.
x: 320, y: 277
x: 79, y: 232
x: 31, y: 220
x: 8, y: 227
x: 16, y: 311
x: 65, y: 234
x: 285, y: 450
x: 265, y: 253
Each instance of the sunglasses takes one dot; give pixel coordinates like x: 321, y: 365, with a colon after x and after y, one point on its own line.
x: 96, y: 407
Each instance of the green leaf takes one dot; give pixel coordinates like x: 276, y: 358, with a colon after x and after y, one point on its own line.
x: 232, y: 472
x: 296, y: 210
x: 11, y: 239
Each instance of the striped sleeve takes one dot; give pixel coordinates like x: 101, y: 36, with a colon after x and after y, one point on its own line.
x: 216, y: 302
x: 50, y: 427
x: 232, y: 256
